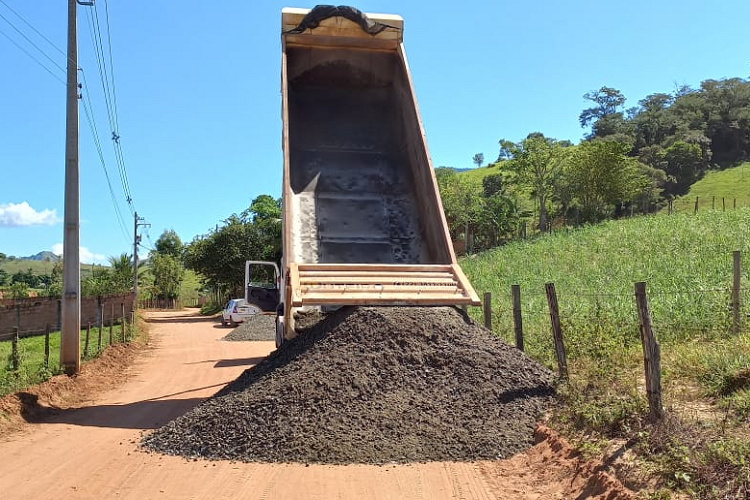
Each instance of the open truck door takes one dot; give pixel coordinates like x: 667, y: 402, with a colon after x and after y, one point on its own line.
x: 262, y: 283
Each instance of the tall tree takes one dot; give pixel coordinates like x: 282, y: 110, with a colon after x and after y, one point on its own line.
x: 599, y: 174
x: 169, y: 244
x: 536, y: 163
x: 478, y: 159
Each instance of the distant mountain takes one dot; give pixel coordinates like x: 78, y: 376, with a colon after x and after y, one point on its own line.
x: 43, y: 256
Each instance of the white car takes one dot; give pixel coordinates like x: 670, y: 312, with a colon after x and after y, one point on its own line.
x: 237, y: 311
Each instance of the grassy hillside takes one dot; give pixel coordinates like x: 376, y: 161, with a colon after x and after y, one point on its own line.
x: 730, y: 184
x: 702, y: 447
x: 480, y: 173
x: 686, y: 261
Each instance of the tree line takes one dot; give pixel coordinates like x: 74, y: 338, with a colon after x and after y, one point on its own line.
x: 632, y: 160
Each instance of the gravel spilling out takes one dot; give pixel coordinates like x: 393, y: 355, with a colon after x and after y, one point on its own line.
x: 372, y: 385
x: 258, y: 327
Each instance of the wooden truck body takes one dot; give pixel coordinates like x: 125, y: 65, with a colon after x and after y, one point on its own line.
x: 363, y: 222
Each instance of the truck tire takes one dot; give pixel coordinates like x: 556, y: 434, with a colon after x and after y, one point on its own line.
x: 279, y: 331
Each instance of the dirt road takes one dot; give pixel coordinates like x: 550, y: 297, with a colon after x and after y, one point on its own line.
x: 92, y: 452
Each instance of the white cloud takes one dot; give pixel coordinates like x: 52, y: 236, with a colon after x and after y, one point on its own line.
x: 86, y: 256
x: 22, y: 214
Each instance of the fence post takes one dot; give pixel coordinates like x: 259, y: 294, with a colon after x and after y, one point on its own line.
x: 696, y: 205
x: 122, y: 320
x: 86, y: 343
x: 734, y: 205
x: 723, y: 204
x: 487, y: 306
x: 737, y: 320
x: 515, y: 291
x: 99, y: 341
x: 651, y: 354
x: 14, y: 350
x: 713, y: 202
x: 554, y: 316
x: 59, y: 315
x: 46, y: 346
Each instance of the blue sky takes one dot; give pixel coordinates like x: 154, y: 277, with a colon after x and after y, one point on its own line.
x: 198, y: 100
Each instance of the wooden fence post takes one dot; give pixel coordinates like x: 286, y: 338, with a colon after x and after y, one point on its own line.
x: 111, y: 326
x: 557, y: 336
x: 515, y: 291
x: 737, y: 319
x: 86, y: 343
x: 100, y: 320
x: 122, y: 320
x: 487, y: 306
x: 713, y: 202
x: 651, y: 354
x: 696, y: 205
x: 723, y: 204
x: 14, y: 350
x: 46, y: 346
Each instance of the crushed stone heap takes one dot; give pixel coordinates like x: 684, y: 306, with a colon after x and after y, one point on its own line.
x: 258, y: 327
x: 372, y: 385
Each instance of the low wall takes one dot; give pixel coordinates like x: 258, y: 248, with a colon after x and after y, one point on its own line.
x: 32, y: 315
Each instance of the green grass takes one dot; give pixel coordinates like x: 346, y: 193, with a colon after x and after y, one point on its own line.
x: 686, y: 261
x: 730, y: 184
x: 31, y: 357
x: 479, y: 173
x: 190, y: 286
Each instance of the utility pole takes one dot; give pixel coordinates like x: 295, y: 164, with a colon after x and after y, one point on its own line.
x: 136, y: 240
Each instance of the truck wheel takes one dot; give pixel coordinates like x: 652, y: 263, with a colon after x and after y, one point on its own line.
x: 279, y: 331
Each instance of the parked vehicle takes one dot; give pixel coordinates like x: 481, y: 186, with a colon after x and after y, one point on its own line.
x: 236, y: 311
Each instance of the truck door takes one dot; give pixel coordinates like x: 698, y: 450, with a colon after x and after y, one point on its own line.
x: 262, y: 280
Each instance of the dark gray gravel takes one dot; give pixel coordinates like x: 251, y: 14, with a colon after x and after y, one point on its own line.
x: 258, y: 327
x: 372, y: 385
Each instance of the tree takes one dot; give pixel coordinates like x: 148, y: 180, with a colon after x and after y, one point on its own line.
x: 607, y: 101
x: 599, y: 174
x: 478, y: 159
x: 684, y: 166
x: 169, y: 244
x: 536, y: 164
x: 254, y: 234
x: 462, y: 203
x: 122, y: 272
x: 168, y: 274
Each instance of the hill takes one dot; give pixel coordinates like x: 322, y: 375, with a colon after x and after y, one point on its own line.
x: 686, y: 261
x: 718, y: 185
x: 43, y: 256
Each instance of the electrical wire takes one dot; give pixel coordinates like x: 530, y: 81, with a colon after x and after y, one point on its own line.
x: 109, y: 99
x: 40, y: 63
x: 34, y: 29
x: 87, y: 106
x: 97, y: 143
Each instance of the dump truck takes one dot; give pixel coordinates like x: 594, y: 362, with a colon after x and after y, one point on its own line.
x: 362, y: 219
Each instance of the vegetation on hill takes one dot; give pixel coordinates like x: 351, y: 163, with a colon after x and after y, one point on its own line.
x: 633, y: 161
x: 686, y: 261
x: 718, y: 190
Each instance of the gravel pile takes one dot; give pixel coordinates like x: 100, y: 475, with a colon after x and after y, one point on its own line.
x: 258, y: 327
x: 372, y: 385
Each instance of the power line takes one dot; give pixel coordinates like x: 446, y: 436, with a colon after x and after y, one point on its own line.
x: 109, y: 97
x: 35, y: 30
x: 40, y: 63
x: 31, y: 42
x: 97, y: 143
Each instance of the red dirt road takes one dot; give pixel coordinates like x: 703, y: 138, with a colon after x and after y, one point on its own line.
x: 92, y: 452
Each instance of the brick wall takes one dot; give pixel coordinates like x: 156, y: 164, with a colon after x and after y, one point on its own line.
x: 33, y: 315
